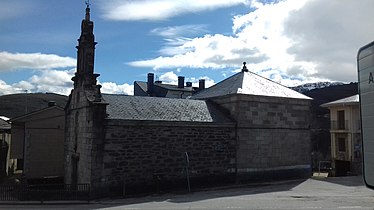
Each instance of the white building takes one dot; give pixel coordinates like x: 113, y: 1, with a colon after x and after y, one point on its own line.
x: 345, y: 135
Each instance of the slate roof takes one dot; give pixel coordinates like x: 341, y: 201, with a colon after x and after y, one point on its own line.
x: 23, y: 117
x: 163, y: 109
x: 352, y: 100
x: 248, y: 83
x: 142, y: 85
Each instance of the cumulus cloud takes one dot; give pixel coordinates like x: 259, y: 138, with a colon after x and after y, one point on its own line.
x: 211, y: 51
x: 172, y: 78
x: 257, y: 39
x: 7, y: 89
x: 36, y: 61
x: 169, y: 77
x: 330, y: 38
x: 113, y: 88
x: 151, y: 10
x: 57, y: 81
x: 287, y: 41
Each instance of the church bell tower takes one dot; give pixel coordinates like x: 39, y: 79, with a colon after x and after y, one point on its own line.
x: 86, y: 54
x: 85, y: 114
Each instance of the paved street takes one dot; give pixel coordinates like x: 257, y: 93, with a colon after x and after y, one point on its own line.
x: 326, y: 193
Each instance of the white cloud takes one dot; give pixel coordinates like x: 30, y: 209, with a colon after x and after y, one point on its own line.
x: 211, y: 51
x: 46, y: 78
x: 298, y: 40
x: 330, y: 38
x: 172, y: 78
x: 53, y: 81
x: 176, y: 36
x: 7, y: 89
x: 113, y: 88
x: 169, y: 78
x: 36, y: 61
x: 152, y: 10
x: 180, y: 31
x: 57, y: 81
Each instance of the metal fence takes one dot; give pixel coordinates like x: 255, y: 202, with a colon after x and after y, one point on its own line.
x: 44, y: 192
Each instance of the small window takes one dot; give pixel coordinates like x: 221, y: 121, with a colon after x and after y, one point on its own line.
x: 341, y: 144
x: 341, y: 120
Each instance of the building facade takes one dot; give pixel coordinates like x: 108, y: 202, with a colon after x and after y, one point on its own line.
x: 345, y: 133
x: 243, y: 128
x: 5, y: 141
x: 38, y: 143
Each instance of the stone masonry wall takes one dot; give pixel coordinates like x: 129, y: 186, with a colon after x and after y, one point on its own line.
x: 83, y: 139
x: 142, y: 154
x: 267, y: 112
x: 273, y: 136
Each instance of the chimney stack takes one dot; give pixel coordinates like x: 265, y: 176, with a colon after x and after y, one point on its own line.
x: 180, y: 82
x: 201, y: 84
x: 150, y: 82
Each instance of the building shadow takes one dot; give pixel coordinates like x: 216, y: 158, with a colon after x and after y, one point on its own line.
x: 203, y: 194
x: 344, y: 180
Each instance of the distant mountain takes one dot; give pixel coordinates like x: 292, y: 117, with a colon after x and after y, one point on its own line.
x: 310, y: 86
x: 331, y: 93
x: 15, y: 105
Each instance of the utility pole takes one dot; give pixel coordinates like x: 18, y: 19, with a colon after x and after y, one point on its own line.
x: 24, y: 137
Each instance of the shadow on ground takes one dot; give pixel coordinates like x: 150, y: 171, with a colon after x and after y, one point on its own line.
x: 205, y: 194
x: 346, y: 180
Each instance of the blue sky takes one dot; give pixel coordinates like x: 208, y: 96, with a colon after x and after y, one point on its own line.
x: 290, y: 41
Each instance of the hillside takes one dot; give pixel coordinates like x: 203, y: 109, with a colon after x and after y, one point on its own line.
x: 317, y: 85
x: 328, y: 94
x: 14, y: 105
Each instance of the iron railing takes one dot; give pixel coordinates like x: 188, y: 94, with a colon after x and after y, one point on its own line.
x: 45, y: 192
x: 353, y: 126
x: 339, y: 125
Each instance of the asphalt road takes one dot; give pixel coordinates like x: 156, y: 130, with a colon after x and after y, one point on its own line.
x: 327, y: 193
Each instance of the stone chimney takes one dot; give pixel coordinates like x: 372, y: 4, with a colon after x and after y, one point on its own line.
x: 201, y: 84
x: 150, y: 83
x: 180, y: 82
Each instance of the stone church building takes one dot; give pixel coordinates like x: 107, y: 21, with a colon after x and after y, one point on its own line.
x: 244, y: 128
